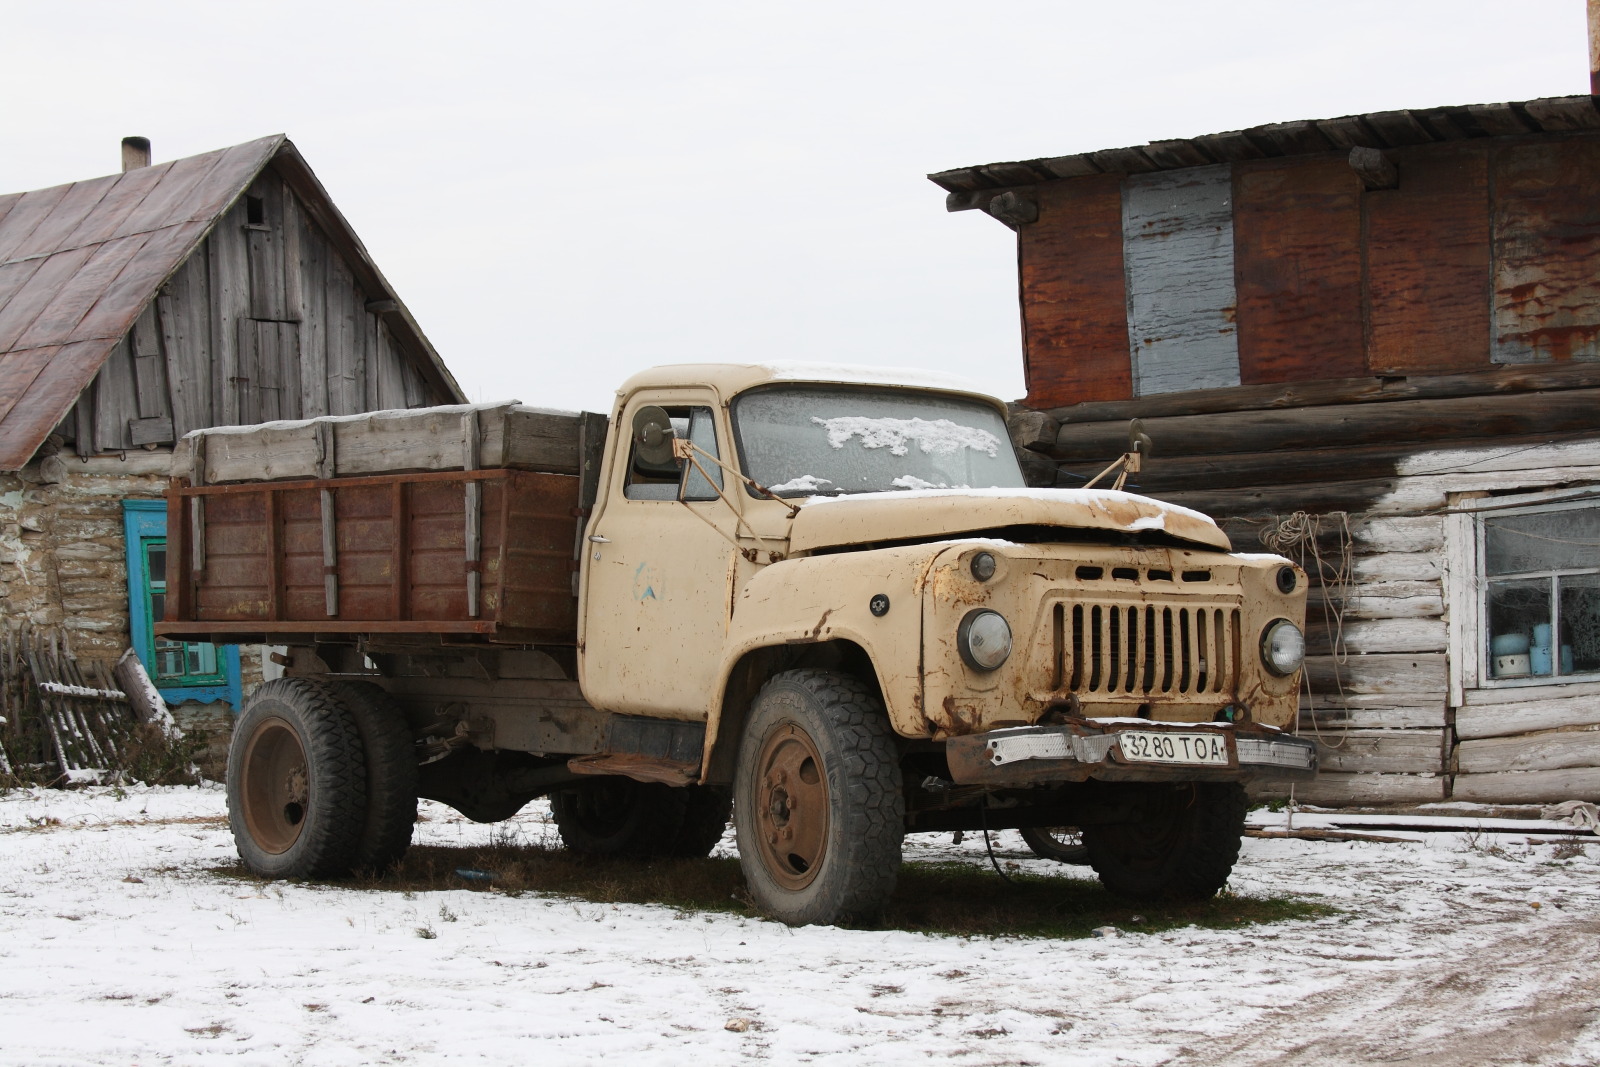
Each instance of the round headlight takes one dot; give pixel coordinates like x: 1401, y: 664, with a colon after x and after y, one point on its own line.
x: 983, y: 566
x: 1283, y: 647
x: 984, y: 639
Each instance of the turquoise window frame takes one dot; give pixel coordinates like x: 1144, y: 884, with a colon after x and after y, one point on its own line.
x: 144, y: 521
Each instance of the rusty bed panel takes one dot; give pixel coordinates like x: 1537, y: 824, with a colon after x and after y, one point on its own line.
x: 1428, y: 263
x: 401, y: 559
x: 1075, y: 323
x: 1297, y: 249
x: 1546, y: 301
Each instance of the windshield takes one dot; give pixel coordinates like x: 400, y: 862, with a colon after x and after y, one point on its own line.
x: 808, y: 440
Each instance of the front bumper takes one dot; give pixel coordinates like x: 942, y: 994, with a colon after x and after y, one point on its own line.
x: 1081, y: 749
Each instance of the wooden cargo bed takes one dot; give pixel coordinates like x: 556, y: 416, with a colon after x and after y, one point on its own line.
x: 486, y: 554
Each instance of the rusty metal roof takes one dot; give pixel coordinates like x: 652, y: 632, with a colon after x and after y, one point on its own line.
x: 969, y: 186
x: 79, y: 262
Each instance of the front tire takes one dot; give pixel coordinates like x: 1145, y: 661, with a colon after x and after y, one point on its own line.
x: 818, y: 804
x: 1182, y: 846
x: 297, y: 796
x: 1064, y: 844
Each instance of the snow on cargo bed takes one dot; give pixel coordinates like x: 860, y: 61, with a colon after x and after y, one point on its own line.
x: 126, y: 939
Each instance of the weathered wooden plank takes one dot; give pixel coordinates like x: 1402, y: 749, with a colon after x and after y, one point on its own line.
x: 347, y: 382
x: 1529, y: 787
x: 1177, y: 232
x: 1297, y: 242
x: 115, y: 399
x: 1329, y: 718
x: 183, y: 315
x: 1074, y: 299
x: 1383, y: 751
x: 1397, y: 567
x: 1427, y: 247
x: 156, y: 430
x: 1524, y: 378
x: 289, y: 388
x: 1422, y: 422
x: 149, y: 368
x: 245, y: 381
x: 1548, y: 750
x: 1345, y: 790
x: 389, y: 388
x: 1377, y: 635
x: 1418, y: 672
x: 1546, y: 234
x: 1387, y: 600
x: 314, y: 319
x: 230, y: 302
x: 1532, y: 714
x: 291, y: 228
x: 1523, y: 694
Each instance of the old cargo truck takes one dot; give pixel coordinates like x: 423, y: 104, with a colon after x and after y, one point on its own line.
x: 821, y: 596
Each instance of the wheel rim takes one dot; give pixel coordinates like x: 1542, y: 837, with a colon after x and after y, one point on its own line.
x: 277, y: 786
x: 791, y: 807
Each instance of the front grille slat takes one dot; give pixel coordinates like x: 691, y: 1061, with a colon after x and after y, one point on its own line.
x: 1144, y: 650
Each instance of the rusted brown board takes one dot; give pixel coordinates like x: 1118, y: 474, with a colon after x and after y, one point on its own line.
x: 1428, y: 263
x: 58, y: 319
x: 1075, y: 328
x: 400, y: 554
x: 102, y: 221
x: 51, y: 233
x: 1297, y: 249
x: 27, y: 215
x: 1546, y: 297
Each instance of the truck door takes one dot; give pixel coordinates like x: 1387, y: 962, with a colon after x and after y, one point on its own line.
x: 659, y: 572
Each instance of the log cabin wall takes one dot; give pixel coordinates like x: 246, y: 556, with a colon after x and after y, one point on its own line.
x: 1358, y: 356
x: 264, y: 321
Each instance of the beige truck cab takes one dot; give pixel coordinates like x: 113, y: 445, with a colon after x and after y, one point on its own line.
x: 822, y: 593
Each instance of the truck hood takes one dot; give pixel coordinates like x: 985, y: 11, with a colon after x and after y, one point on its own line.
x: 829, y: 522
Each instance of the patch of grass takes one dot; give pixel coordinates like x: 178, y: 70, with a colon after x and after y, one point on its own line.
x: 949, y: 898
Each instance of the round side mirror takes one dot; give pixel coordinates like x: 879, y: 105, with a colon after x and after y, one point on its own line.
x: 652, y: 435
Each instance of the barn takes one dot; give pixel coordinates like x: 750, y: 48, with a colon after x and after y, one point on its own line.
x: 218, y: 289
x: 1371, y: 343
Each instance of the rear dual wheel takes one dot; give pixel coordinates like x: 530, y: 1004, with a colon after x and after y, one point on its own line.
x: 321, y: 780
x: 619, y: 817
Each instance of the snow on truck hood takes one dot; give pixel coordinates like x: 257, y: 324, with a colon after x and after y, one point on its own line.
x: 830, y: 521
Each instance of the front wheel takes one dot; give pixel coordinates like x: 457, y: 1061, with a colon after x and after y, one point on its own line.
x: 818, y: 806
x: 1181, y: 844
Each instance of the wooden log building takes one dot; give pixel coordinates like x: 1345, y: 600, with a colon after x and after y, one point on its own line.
x: 1371, y: 343
x: 220, y: 289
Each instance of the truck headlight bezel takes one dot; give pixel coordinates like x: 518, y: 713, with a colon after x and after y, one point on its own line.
x: 1283, y: 647
x: 984, y: 639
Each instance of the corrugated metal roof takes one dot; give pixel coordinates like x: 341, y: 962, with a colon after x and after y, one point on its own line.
x: 79, y: 262
x: 971, y: 187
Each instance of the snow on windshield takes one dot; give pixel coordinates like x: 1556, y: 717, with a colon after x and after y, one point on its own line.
x: 935, y: 435
x: 830, y: 439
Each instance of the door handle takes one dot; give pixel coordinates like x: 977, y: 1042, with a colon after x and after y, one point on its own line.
x: 599, y: 540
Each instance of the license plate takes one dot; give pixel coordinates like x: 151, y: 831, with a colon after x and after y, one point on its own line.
x: 1138, y: 746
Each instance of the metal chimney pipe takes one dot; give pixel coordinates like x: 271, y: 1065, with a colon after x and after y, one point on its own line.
x: 136, y: 150
x: 1594, y: 47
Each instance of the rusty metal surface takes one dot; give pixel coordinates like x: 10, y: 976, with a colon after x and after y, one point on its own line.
x: 1428, y: 263
x: 400, y: 546
x: 1074, y: 298
x: 1297, y: 249
x: 1546, y: 234
x: 639, y: 768
x: 971, y: 762
x: 78, y: 262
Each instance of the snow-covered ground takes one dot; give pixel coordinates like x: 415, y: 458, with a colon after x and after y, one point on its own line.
x: 119, y: 945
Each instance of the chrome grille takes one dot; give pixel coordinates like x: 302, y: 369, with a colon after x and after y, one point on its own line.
x: 1115, y: 649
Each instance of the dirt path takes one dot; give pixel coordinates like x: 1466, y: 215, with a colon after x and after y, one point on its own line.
x: 1509, y: 999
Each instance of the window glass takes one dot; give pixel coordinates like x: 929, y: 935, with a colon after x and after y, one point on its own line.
x: 805, y: 440
x: 173, y: 662
x: 660, y: 480
x: 1542, y: 592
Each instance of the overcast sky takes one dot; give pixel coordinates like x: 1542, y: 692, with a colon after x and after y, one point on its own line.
x: 565, y: 193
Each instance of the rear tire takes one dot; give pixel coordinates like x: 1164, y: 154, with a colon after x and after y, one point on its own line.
x: 391, y: 764
x: 1183, y: 847
x: 819, y: 809
x: 619, y: 817
x: 297, y: 797
x: 1064, y: 844
x: 706, y: 811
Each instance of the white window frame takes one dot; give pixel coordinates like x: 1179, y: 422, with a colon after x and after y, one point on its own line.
x: 1468, y: 585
